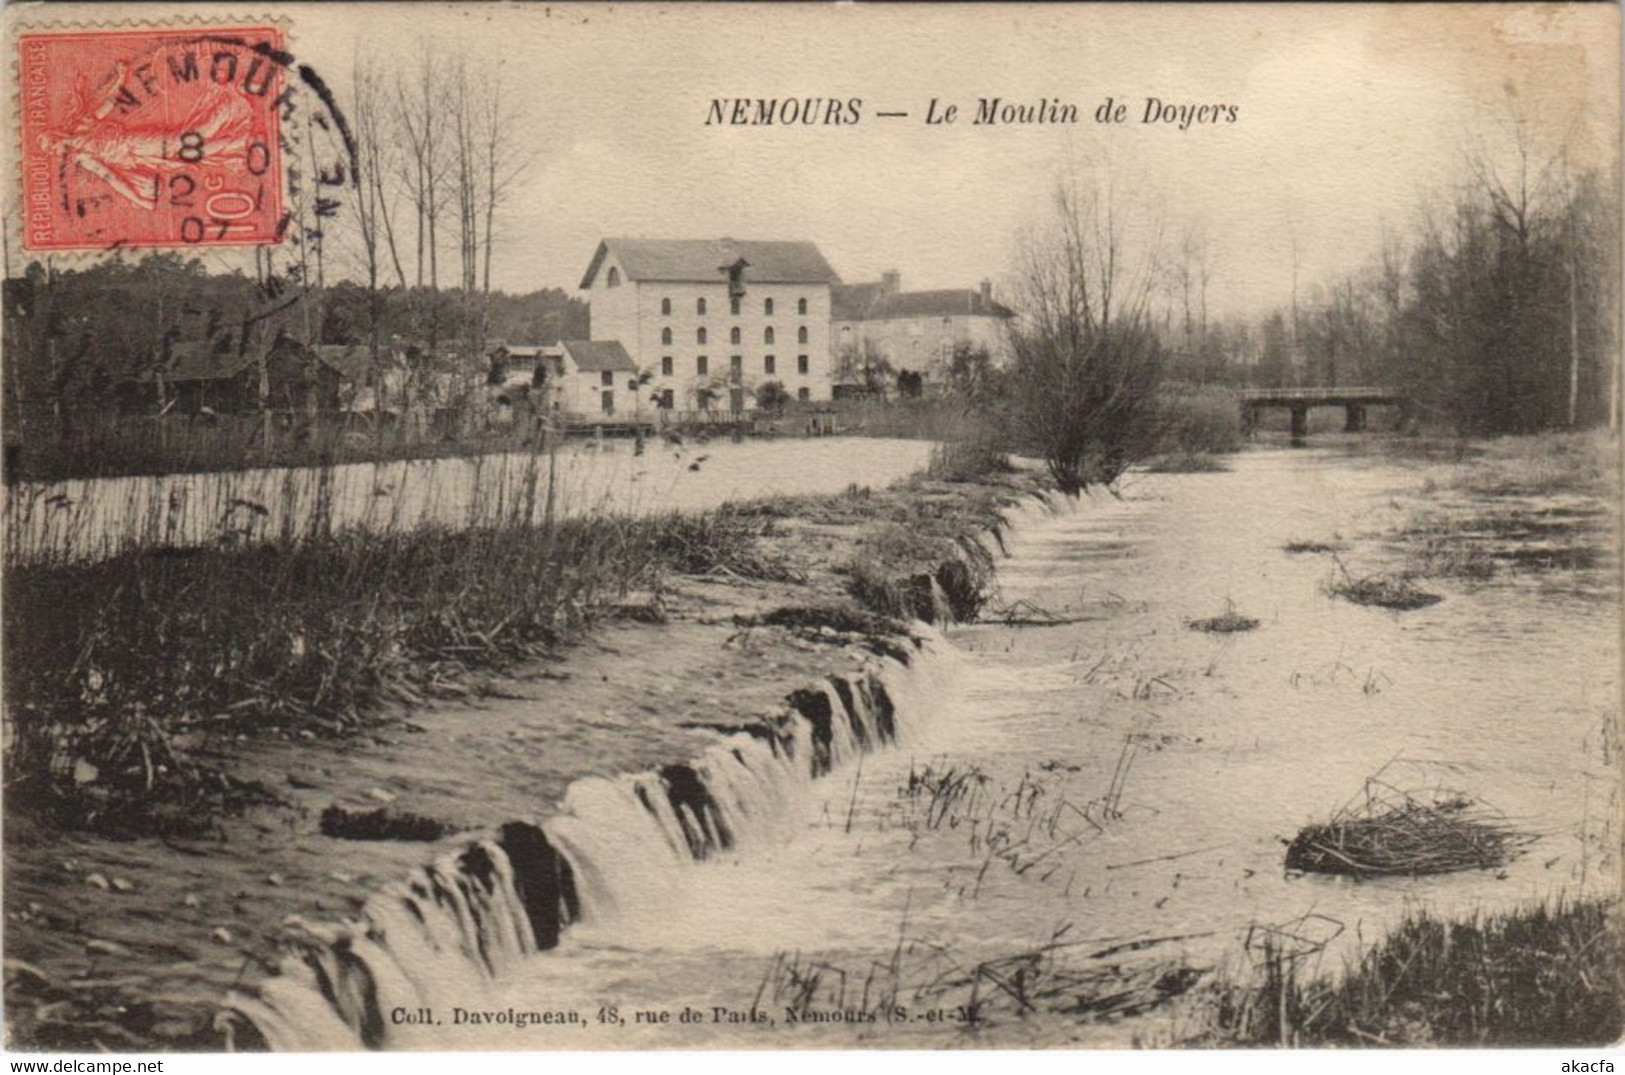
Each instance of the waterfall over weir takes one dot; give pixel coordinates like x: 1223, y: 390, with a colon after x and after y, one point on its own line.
x: 452, y: 929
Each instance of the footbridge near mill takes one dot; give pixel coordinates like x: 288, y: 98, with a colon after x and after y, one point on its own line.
x: 1354, y: 402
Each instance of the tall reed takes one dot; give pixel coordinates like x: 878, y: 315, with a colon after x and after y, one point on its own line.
x: 305, y: 614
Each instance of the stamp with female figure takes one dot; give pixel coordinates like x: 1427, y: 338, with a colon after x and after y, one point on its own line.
x: 151, y: 138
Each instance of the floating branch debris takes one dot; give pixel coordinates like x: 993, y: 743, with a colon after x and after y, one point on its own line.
x: 1024, y: 613
x: 1389, y: 830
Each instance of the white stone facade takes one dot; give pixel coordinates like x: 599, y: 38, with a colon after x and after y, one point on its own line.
x: 707, y: 342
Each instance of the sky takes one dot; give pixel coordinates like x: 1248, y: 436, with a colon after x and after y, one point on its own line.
x: 1346, y: 116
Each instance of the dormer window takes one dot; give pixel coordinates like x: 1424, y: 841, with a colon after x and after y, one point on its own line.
x: 736, y: 278
x: 614, y: 279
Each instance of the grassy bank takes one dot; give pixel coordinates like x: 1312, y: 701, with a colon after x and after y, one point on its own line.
x: 125, y: 675
x: 1546, y: 975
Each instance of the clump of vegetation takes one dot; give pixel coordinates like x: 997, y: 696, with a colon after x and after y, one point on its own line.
x: 840, y: 618
x: 341, y: 823
x: 967, y: 459
x: 1314, y: 547
x: 1395, y: 592
x: 1197, y: 420
x: 1389, y: 831
x: 1227, y: 622
x: 723, y: 542
x: 122, y: 673
x: 925, y: 572
x: 1546, y: 975
x: 1384, y: 591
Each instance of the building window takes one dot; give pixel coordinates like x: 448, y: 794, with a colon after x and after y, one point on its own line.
x: 665, y: 307
x: 699, y: 307
x: 733, y: 305
x: 801, y: 364
x: 801, y: 334
x: 733, y: 334
x: 665, y: 336
x: 736, y: 364
x: 803, y: 393
x: 699, y: 336
x: 767, y: 364
x: 801, y: 307
x: 701, y: 366
x: 767, y: 307
x: 667, y: 399
x: 767, y: 334
x: 607, y: 401
x: 665, y: 366
x: 614, y: 277
x: 607, y: 379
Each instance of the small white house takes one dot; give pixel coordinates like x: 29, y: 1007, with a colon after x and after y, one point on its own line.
x: 594, y: 379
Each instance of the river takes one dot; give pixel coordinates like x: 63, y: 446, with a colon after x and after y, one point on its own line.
x: 91, y: 519
x: 1081, y: 807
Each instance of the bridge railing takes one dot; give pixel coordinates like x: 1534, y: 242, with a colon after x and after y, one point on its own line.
x: 1310, y: 395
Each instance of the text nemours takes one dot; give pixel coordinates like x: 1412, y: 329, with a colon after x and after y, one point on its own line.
x: 980, y: 112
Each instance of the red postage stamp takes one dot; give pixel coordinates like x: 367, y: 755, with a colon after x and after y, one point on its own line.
x: 151, y: 138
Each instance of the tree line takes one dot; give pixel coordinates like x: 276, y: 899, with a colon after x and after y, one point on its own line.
x: 73, y: 335
x: 1497, y: 311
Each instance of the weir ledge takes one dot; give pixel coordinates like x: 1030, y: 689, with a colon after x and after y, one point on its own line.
x: 473, y: 913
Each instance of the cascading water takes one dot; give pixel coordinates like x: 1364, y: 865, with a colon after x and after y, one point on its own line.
x: 456, y: 927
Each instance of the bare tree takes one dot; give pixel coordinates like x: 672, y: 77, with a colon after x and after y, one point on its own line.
x: 1086, y: 359
x: 419, y: 108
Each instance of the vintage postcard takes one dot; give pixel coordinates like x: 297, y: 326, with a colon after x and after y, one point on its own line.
x: 774, y: 527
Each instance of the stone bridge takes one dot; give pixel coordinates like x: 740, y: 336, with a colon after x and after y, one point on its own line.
x: 1354, y: 402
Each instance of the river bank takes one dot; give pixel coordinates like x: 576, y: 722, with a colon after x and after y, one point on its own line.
x: 133, y: 941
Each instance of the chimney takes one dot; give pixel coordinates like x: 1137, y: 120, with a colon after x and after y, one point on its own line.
x: 891, y: 281
x: 987, y: 293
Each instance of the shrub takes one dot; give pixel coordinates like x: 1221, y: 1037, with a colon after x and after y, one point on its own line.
x: 1195, y: 419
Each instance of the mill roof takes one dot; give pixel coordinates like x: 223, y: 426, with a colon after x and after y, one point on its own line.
x: 703, y: 261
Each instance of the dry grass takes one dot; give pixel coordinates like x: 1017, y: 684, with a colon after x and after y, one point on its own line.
x: 1384, y: 591
x: 1390, y: 830
x: 1547, y: 975
x: 1062, y: 979
x: 123, y: 674
x: 1396, y: 592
